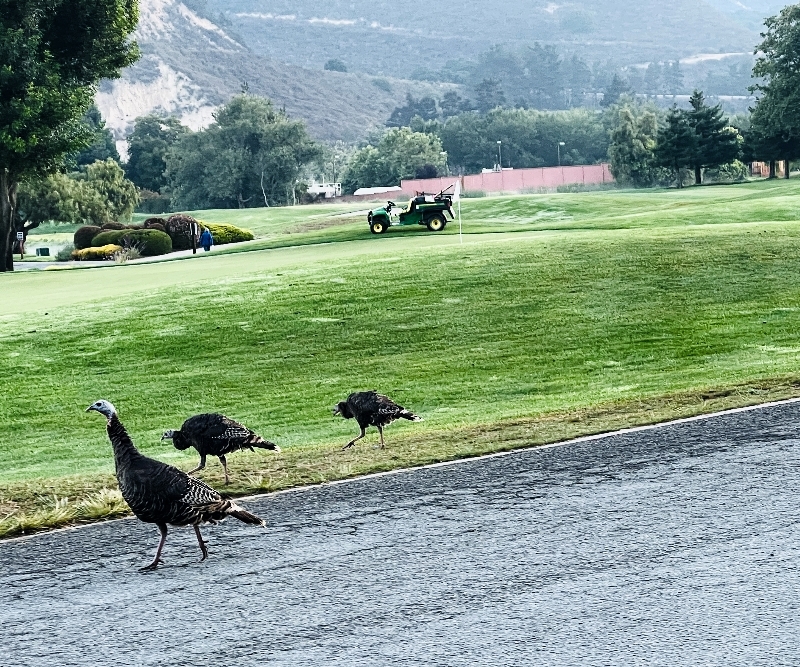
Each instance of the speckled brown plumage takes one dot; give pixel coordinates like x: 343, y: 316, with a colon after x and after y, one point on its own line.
x: 369, y: 408
x: 160, y: 493
x: 213, y: 434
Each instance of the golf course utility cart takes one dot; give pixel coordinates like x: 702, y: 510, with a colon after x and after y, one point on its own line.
x: 428, y: 210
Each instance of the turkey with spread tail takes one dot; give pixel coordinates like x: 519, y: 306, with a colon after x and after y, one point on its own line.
x: 216, y: 435
x: 369, y: 408
x: 160, y: 493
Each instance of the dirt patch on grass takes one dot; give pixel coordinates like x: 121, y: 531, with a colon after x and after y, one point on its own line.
x: 28, y: 507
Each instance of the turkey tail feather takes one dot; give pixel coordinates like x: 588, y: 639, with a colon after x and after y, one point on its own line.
x: 264, y: 444
x: 244, y: 516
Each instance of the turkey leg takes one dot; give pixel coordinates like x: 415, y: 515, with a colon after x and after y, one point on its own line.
x: 163, y: 528
x: 224, y: 463
x: 201, y: 466
x: 353, y: 441
x: 201, y: 542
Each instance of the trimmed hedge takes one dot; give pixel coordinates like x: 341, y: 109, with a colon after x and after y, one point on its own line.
x: 84, y: 235
x: 150, y: 242
x: 179, y: 228
x: 101, y: 253
x: 227, y: 233
x: 113, y: 225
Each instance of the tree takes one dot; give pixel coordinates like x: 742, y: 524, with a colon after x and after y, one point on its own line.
x: 397, y: 155
x: 633, y: 142
x: 489, y: 95
x: 103, y: 145
x: 335, y: 65
x: 148, y: 144
x: 424, y: 108
x: 616, y: 89
x: 251, y: 155
x: 52, y: 54
x: 673, y: 77
x: 98, y: 195
x: 119, y: 194
x: 775, y: 123
x: 654, y: 79
x: 676, y: 144
x: 716, y: 142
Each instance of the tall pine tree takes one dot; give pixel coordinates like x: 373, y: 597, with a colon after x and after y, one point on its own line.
x: 716, y: 142
x: 676, y: 144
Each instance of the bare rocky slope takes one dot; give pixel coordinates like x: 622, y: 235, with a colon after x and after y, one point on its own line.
x: 190, y: 66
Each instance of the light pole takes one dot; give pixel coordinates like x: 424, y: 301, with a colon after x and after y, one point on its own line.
x: 560, y: 144
x: 446, y: 168
x: 499, y: 155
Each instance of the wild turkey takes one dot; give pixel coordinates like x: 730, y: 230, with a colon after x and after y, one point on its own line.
x: 369, y: 408
x: 161, y: 494
x: 216, y: 435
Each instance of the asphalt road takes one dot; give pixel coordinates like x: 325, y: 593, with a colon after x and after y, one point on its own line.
x: 673, y: 546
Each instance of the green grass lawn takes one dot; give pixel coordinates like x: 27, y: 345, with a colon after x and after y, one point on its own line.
x: 613, y: 308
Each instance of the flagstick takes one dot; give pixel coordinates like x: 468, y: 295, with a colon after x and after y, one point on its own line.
x: 460, y: 233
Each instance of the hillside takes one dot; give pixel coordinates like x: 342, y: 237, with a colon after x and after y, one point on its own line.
x: 190, y: 66
x: 383, y: 37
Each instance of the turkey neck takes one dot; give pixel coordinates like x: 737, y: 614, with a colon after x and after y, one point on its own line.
x: 124, y: 450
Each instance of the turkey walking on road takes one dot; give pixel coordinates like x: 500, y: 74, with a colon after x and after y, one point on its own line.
x: 161, y: 494
x: 216, y: 435
x: 369, y: 408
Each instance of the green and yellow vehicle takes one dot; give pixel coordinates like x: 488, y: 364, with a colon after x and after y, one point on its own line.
x: 428, y: 210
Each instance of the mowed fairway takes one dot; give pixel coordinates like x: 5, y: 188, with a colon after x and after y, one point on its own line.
x: 625, y: 307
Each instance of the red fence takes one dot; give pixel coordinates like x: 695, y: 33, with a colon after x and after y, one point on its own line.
x: 516, y: 180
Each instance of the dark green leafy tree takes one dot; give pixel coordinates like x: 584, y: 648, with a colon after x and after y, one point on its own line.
x: 335, y: 65
x: 634, y: 133
x: 716, y: 142
x: 654, y: 79
x: 530, y: 138
x: 616, y: 89
x: 251, y: 155
x: 489, y: 95
x: 148, y: 144
x: 400, y: 153
x: 52, y: 54
x: 676, y: 144
x: 424, y: 108
x: 673, y: 78
x: 97, y: 195
x: 103, y: 146
x: 775, y: 122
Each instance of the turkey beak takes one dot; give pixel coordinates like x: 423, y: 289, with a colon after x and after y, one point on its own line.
x: 336, y: 411
x: 90, y: 408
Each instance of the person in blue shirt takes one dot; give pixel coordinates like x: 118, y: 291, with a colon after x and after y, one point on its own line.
x: 206, y: 240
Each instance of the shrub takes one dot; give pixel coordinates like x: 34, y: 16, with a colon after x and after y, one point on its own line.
x: 149, y: 242
x: 383, y: 84
x: 179, y: 228
x: 112, y: 225
x: 65, y: 253
x: 154, y: 221
x: 122, y: 256
x: 101, y: 253
x: 155, y: 225
x: 228, y: 233
x: 83, y: 236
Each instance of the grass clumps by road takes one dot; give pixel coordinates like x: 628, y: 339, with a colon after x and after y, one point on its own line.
x: 512, y: 339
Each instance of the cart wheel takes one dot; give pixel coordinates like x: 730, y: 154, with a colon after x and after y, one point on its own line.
x: 377, y: 227
x: 436, y: 222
